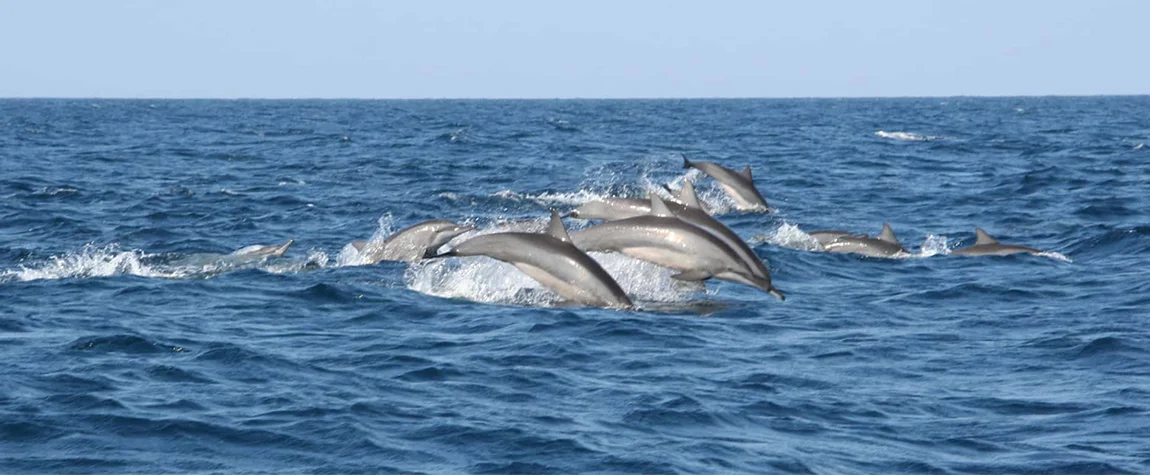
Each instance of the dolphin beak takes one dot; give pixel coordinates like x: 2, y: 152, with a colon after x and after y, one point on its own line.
x: 777, y: 294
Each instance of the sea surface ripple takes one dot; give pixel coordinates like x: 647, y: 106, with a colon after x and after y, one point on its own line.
x: 130, y: 344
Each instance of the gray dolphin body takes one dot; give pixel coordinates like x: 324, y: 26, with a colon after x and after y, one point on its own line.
x: 259, y: 250
x: 665, y: 240
x: 885, y: 245
x: 985, y: 245
x: 825, y: 237
x: 412, y: 243
x: 692, y: 212
x: 610, y: 209
x: 740, y: 186
x: 552, y: 260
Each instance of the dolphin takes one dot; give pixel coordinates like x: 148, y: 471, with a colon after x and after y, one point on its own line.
x: 738, y: 185
x: 412, y: 243
x: 985, y: 245
x: 259, y: 250
x: 665, y: 240
x: 885, y: 245
x: 692, y: 212
x: 552, y: 260
x: 610, y: 209
x: 825, y: 237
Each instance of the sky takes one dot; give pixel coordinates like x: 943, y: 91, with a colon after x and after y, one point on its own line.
x: 571, y: 49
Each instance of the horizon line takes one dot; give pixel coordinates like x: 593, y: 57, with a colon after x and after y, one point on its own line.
x: 557, y: 98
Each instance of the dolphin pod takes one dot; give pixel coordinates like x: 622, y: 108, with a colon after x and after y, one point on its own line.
x: 553, y: 261
x: 664, y: 239
x: 681, y: 236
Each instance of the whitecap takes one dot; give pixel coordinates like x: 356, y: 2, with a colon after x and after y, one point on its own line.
x: 89, y: 261
x: 905, y: 136
x: 789, y: 236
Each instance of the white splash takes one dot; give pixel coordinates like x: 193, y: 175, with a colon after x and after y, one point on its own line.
x: 713, y: 198
x: 90, y: 261
x: 1139, y: 146
x: 789, y: 236
x: 905, y: 136
x: 1056, y: 256
x: 933, y: 245
x: 350, y: 256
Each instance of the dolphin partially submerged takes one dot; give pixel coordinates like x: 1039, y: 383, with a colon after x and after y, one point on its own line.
x: 985, y: 245
x: 663, y: 239
x: 740, y: 186
x: 611, y: 209
x: 552, y: 260
x: 828, y: 236
x: 260, y: 250
x: 885, y: 245
x: 412, y: 243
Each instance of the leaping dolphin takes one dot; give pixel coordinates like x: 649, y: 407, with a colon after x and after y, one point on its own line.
x: 412, y: 243
x: 885, y: 245
x: 692, y: 212
x: 985, y: 245
x: 552, y: 260
x: 259, y: 250
x: 665, y: 240
x: 740, y: 186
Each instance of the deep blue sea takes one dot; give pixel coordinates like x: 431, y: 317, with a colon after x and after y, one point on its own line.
x: 129, y: 344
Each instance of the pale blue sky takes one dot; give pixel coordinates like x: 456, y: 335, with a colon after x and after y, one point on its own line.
x: 532, y: 49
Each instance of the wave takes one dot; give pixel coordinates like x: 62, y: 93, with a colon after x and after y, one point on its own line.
x: 90, y: 261
x: 906, y: 136
x: 107, y: 261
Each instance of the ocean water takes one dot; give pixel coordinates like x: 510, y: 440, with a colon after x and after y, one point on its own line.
x: 129, y: 343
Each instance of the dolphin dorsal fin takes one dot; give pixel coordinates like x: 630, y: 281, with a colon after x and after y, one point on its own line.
x: 887, y: 234
x: 747, y: 173
x: 982, y: 238
x: 556, y: 228
x: 687, y: 195
x: 659, y: 208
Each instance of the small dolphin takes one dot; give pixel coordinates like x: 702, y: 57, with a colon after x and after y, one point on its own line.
x: 551, y: 260
x: 885, y: 245
x: 663, y: 239
x: 412, y: 243
x: 985, y: 245
x: 827, y: 236
x: 739, y: 186
x: 259, y: 250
